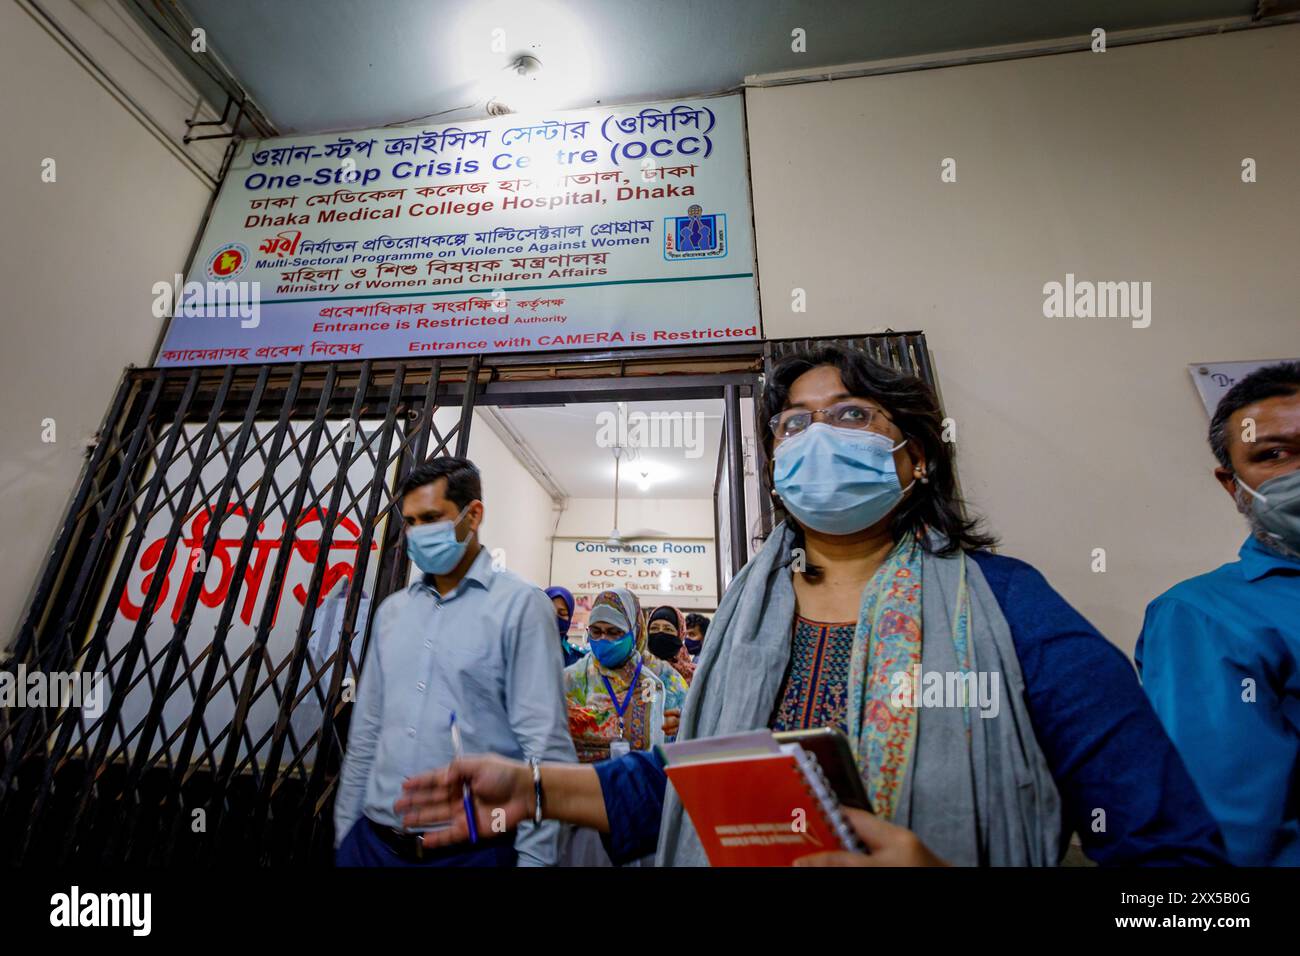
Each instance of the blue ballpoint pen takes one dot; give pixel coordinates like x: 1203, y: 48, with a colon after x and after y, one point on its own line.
x: 467, y: 796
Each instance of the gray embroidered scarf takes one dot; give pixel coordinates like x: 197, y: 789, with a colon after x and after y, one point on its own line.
x: 983, y: 798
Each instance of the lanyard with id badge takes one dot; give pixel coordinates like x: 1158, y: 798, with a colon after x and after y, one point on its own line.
x: 622, y: 746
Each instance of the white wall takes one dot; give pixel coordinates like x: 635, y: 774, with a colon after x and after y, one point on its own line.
x: 1073, y: 434
x: 517, y: 513
x: 675, y: 517
x: 78, y: 258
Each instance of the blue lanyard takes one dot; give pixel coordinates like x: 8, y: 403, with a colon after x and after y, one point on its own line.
x: 622, y: 709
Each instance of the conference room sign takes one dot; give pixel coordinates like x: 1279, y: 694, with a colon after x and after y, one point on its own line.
x: 677, y: 571
x: 604, y: 228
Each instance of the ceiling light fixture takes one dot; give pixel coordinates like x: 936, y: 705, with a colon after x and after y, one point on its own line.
x: 520, y: 86
x: 526, y: 65
x: 498, y: 47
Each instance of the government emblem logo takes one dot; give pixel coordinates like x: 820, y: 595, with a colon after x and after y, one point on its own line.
x: 228, y: 261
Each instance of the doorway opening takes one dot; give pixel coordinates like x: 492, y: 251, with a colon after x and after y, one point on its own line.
x: 631, y: 487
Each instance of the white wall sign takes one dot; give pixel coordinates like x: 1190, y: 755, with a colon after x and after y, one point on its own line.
x: 251, y: 594
x: 677, y: 571
x: 1213, y: 379
x: 602, y: 228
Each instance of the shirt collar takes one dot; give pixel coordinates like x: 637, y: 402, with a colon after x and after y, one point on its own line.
x: 480, y: 573
x: 1258, y: 561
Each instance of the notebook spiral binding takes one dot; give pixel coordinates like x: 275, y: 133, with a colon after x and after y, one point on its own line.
x: 830, y: 803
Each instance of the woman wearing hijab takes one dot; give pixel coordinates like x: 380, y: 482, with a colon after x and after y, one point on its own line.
x: 666, y: 640
x: 619, y: 696
x: 562, y: 598
x: 621, y: 700
x: 878, y: 578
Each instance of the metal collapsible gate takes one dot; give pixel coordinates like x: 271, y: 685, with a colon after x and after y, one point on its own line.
x: 217, y: 729
x: 192, y: 453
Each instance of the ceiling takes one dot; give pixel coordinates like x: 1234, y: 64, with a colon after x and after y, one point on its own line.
x: 565, y: 440
x: 321, y: 65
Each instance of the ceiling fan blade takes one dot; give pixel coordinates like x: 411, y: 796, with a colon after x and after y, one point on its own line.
x: 646, y: 533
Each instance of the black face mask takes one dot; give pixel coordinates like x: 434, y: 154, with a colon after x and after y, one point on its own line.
x: 664, y: 646
x: 693, y: 647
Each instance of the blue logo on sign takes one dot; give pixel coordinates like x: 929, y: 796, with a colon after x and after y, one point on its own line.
x: 695, y: 235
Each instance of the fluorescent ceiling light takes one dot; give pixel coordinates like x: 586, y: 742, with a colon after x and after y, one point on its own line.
x: 491, y: 35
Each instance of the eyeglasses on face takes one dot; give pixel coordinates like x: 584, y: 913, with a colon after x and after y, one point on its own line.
x: 853, y: 415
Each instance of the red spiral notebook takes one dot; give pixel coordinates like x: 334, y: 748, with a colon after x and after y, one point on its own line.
x: 756, y: 802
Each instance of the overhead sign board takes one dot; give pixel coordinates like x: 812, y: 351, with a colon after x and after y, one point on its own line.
x: 604, y: 228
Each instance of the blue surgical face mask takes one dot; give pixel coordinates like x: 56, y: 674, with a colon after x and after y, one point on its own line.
x: 837, y: 480
x: 434, y: 548
x: 611, y: 652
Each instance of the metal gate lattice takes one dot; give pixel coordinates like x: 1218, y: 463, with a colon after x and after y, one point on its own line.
x: 189, y: 579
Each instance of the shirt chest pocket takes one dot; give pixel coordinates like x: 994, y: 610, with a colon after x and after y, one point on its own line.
x: 474, y: 681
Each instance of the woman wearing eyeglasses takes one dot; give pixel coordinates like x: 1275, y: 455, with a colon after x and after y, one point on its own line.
x: 874, y: 592
x: 621, y: 699
x: 619, y: 695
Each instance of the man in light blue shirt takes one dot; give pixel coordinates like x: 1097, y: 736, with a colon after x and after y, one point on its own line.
x: 1219, y: 653
x: 468, y: 638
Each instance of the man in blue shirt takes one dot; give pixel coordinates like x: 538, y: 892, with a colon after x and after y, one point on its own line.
x: 1219, y: 653
x: 468, y: 639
